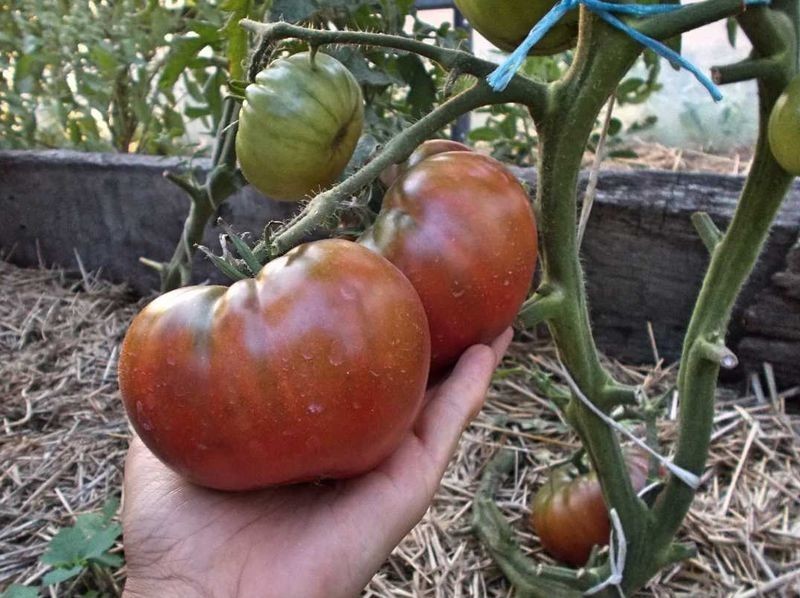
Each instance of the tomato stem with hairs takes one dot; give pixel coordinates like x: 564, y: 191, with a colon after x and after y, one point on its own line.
x: 220, y: 183
x: 772, y: 34
x: 321, y: 208
x: 602, y: 59
x: 458, y: 60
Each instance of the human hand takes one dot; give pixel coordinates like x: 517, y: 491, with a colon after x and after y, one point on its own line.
x: 308, y: 540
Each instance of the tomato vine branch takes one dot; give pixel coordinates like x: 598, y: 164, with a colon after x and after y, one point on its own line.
x: 458, y: 60
x: 320, y: 209
x: 750, y: 68
x: 772, y: 34
x: 221, y: 182
x: 689, y: 17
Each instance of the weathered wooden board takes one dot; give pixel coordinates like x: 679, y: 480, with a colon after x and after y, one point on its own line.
x: 643, y: 259
x: 772, y: 322
x: 110, y: 209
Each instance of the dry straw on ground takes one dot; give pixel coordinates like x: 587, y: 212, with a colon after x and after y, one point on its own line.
x: 64, y: 436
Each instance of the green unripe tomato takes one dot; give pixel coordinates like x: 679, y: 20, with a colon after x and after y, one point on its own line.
x: 784, y: 128
x: 506, y: 23
x: 299, y: 125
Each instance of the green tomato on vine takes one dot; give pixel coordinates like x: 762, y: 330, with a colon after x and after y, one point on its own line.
x: 784, y: 128
x: 299, y: 125
x: 505, y: 23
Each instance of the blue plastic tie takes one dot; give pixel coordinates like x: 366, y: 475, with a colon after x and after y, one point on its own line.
x: 663, y: 50
x: 502, y: 75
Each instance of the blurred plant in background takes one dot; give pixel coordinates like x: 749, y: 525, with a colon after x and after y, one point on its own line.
x: 102, y: 75
x: 508, y: 129
x: 148, y: 76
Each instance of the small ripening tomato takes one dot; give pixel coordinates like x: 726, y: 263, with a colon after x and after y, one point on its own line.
x: 425, y: 150
x: 459, y: 225
x: 299, y: 125
x: 314, y: 369
x: 569, y: 513
x: 784, y: 128
x: 505, y: 23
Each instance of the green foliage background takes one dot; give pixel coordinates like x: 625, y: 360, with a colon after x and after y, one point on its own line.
x: 109, y: 75
x: 149, y: 76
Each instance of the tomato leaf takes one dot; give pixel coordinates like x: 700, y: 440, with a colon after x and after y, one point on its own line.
x: 185, y: 49
x: 422, y: 91
x: 19, y: 591
x: 58, y: 575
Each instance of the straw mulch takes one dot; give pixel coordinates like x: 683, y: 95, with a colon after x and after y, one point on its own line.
x: 64, y: 436
x: 652, y: 155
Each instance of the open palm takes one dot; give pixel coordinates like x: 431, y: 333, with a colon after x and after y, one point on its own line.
x: 306, y: 540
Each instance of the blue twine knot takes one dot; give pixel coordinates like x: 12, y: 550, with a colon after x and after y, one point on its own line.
x: 502, y: 75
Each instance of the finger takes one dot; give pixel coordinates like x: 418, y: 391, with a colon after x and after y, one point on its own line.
x: 500, y: 344
x: 457, y: 401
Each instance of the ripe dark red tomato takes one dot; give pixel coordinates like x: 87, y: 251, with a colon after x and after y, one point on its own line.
x: 314, y: 369
x: 570, y: 515
x: 425, y: 150
x: 459, y: 225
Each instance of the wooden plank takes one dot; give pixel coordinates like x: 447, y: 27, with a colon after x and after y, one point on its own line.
x: 645, y: 263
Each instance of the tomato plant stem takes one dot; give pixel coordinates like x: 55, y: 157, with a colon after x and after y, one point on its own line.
x: 458, y: 60
x: 732, y: 260
x: 320, y: 209
x: 221, y: 182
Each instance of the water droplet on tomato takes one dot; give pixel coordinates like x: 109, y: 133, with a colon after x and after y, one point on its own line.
x: 337, y: 354
x: 315, y: 408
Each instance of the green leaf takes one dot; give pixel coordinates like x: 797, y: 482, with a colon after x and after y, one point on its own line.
x: 105, y: 60
x: 194, y: 112
x: 422, y: 90
x: 647, y: 123
x: 227, y: 269
x: 89, y: 539
x: 58, y: 575
x: 244, y: 251
x: 107, y: 559
x: 16, y: 590
x: 237, y: 37
x: 483, y: 134
x: 614, y: 127
x: 357, y: 64
x: 184, y: 50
